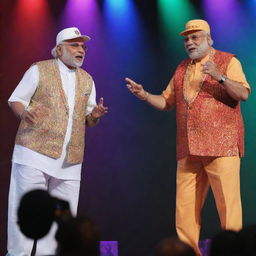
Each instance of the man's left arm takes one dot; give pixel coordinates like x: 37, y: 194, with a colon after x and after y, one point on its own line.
x: 94, y: 111
x: 235, y: 82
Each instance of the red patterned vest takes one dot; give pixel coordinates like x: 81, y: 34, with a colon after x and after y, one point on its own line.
x: 212, y: 124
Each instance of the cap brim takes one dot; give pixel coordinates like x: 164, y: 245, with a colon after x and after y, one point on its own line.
x: 85, y: 38
x: 185, y: 32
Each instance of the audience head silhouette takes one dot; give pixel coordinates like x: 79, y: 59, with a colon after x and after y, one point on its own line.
x: 78, y: 236
x: 37, y: 211
x: 173, y: 247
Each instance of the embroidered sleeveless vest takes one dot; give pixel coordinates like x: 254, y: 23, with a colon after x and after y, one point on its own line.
x: 50, y: 102
x: 212, y: 124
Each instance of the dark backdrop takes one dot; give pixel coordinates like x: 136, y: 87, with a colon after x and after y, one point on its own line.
x: 128, y: 177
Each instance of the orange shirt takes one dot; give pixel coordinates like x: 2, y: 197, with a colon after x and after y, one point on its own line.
x: 234, y: 72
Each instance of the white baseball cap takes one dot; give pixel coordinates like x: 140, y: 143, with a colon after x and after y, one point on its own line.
x: 67, y: 34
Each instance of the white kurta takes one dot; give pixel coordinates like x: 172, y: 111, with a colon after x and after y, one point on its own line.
x: 57, y: 168
x: 32, y: 170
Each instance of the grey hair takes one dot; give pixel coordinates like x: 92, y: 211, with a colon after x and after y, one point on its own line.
x: 208, y: 34
x: 54, y: 52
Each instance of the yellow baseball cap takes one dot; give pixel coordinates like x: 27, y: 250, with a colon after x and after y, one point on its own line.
x: 193, y: 25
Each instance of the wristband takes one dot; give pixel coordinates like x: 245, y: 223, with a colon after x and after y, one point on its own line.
x: 222, y: 79
x: 93, y: 118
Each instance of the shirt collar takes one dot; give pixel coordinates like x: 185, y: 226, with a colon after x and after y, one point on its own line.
x: 63, y: 67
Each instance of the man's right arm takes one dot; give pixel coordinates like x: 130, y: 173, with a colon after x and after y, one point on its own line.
x: 156, y: 101
x: 21, y: 97
x: 21, y: 112
x: 17, y: 108
x: 159, y: 102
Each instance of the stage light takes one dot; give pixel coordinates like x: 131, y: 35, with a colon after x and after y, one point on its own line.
x: 173, y: 15
x: 81, y: 13
x: 225, y: 20
x: 32, y: 7
x: 118, y: 6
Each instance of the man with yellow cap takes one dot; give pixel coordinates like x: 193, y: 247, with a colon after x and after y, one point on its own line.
x: 206, y: 90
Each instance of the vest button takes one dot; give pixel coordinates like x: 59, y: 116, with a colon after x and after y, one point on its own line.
x: 189, y: 107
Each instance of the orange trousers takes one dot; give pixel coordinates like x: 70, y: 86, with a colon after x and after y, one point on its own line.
x: 194, y: 176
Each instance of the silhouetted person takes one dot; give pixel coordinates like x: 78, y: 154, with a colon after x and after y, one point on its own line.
x: 224, y: 244
x: 246, y: 242
x: 37, y: 211
x: 173, y: 247
x: 78, y: 237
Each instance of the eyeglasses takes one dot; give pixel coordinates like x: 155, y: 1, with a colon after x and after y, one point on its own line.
x: 76, y: 45
x: 194, y: 38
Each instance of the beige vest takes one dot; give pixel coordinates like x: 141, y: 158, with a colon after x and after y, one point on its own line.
x: 50, y: 102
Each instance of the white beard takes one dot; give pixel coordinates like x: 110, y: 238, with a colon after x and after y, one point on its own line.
x: 200, y: 51
x: 70, y: 60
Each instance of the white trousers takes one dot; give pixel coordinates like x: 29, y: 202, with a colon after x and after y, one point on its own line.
x: 24, y: 179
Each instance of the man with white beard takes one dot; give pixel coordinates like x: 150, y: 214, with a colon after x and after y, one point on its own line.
x: 206, y: 90
x: 55, y: 101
